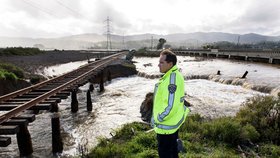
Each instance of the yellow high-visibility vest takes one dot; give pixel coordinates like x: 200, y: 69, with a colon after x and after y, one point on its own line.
x: 169, y: 111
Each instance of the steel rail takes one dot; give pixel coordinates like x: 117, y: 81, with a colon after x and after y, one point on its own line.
x: 16, y: 111
x: 30, y: 88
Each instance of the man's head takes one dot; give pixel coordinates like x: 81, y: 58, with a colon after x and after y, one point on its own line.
x: 166, y: 61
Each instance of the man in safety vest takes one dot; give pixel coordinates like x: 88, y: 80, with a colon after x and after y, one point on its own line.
x: 169, y: 112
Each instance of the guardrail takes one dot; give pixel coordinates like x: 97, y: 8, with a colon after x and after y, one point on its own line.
x: 269, y: 56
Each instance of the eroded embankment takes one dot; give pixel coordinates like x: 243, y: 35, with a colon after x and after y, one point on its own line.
x: 8, y: 86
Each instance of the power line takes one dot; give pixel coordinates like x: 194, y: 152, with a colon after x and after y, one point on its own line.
x: 73, y: 11
x: 40, y: 8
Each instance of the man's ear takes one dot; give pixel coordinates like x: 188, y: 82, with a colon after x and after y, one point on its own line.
x: 171, y: 64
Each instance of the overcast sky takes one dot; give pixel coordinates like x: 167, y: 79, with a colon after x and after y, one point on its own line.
x: 56, y: 18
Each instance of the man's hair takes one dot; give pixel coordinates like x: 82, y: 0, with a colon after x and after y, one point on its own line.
x: 170, y: 56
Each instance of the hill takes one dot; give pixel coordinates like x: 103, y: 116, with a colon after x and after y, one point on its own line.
x: 85, y: 41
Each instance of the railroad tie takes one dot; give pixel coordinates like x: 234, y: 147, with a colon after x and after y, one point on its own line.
x: 5, y: 141
x: 29, y: 117
x: 8, y: 129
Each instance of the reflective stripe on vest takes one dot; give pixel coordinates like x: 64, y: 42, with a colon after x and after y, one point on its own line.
x: 167, y: 127
x: 155, y: 91
x: 170, y: 100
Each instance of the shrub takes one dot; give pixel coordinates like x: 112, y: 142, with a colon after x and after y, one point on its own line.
x: 263, y: 114
x: 7, y: 75
x: 145, y: 140
x: 2, y: 74
x: 224, y: 129
x: 129, y: 130
x: 249, y: 132
x: 35, y: 80
x: 12, y: 69
x: 20, y: 51
x: 10, y: 76
x: 108, y: 151
x: 192, y: 123
x: 127, y: 143
x: 229, y: 130
x: 269, y: 150
x: 149, y: 153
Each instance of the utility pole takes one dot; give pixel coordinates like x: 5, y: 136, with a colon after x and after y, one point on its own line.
x: 108, y: 33
x: 238, y: 40
x: 152, y: 39
x: 123, y: 42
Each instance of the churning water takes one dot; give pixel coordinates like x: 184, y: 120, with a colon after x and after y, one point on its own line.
x: 120, y: 102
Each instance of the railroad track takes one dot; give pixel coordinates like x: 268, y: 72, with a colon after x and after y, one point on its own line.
x: 43, y: 96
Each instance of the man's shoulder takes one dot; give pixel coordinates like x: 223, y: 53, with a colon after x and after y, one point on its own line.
x: 178, y: 74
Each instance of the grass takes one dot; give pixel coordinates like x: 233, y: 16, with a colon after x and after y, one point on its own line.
x: 225, y: 137
x: 19, y: 51
x: 10, y: 72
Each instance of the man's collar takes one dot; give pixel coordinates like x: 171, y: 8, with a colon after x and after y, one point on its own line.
x: 174, y: 68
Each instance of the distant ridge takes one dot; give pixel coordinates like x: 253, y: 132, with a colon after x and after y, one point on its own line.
x: 84, y: 41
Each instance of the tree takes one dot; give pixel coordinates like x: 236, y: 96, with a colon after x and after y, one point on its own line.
x: 161, y: 43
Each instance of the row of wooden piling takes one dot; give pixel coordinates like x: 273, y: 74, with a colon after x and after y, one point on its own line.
x: 23, y: 135
x: 57, y: 144
x: 243, y: 76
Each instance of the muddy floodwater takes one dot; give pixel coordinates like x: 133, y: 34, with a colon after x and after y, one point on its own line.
x: 120, y: 103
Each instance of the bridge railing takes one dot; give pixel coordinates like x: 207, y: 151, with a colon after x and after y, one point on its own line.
x: 251, y: 53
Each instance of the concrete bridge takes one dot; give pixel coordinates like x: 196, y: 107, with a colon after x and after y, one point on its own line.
x: 267, y: 56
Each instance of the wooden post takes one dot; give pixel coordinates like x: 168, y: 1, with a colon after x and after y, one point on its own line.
x: 24, y: 141
x: 91, y: 88
x: 74, y: 101
x: 89, y: 103
x: 101, y: 84
x: 245, y: 74
x: 57, y: 144
x: 88, y: 59
x: 270, y: 60
x: 54, y: 107
x: 109, y: 78
x: 35, y: 111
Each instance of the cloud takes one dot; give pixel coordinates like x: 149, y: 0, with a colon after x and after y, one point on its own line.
x: 69, y: 17
x: 262, y: 11
x: 260, y: 16
x: 118, y: 20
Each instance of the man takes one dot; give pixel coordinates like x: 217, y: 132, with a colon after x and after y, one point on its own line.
x: 169, y: 112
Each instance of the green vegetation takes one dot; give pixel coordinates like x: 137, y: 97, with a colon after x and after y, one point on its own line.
x: 19, y: 51
x: 35, y: 79
x: 245, y: 46
x: 10, y: 72
x: 253, y: 132
x: 160, y: 44
x: 129, y: 141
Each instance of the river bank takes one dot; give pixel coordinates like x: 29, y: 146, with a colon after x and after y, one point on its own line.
x: 253, y: 132
x: 48, y: 58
